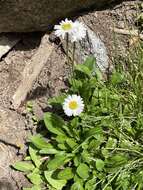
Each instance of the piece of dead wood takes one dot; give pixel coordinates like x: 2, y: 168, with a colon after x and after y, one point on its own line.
x: 32, y: 70
x: 128, y: 32
x: 7, y: 42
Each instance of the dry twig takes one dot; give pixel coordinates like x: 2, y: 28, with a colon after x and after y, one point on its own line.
x: 128, y: 32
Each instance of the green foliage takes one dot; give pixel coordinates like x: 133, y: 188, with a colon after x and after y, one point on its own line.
x: 56, y: 183
x: 83, y: 171
x: 24, y: 166
x: 102, y: 149
x: 66, y: 173
x: 99, y: 164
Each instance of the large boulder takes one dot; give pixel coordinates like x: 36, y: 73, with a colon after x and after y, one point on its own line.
x: 40, y: 15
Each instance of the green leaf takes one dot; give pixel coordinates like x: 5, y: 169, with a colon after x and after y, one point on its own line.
x: 84, y: 69
x: 77, y: 160
x: 90, y: 62
x: 74, y: 122
x: 54, y: 123
x: 75, y: 84
x: 23, y: 166
x: 116, y: 160
x: 61, y: 138
x: 117, y: 78
x: 27, y: 158
x: 71, y: 142
x: 105, y: 152
x: 86, y: 156
x: 66, y: 173
x: 93, y: 132
x: 33, y: 154
x: 99, y: 74
x: 57, y: 100
x: 77, y: 186
x: 68, y: 131
x: 83, y: 171
x: 111, y: 143
x: 62, y: 146
x: 48, y: 151
x: 56, y: 183
x: 99, y: 164
x: 86, y: 92
x: 90, y: 184
x: 29, y: 106
x: 57, y: 162
x: 40, y: 142
x: 35, y: 178
x: 33, y: 188
x: 110, y: 188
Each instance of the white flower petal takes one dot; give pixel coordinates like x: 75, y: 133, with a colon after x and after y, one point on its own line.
x: 57, y: 27
x: 61, y: 31
x: 75, y: 111
x: 79, y: 32
x: 76, y: 33
x: 68, y: 112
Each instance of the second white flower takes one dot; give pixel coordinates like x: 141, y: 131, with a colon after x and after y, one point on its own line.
x: 73, y: 105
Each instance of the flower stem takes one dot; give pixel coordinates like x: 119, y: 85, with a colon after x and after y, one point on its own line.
x: 67, y: 47
x: 73, y: 56
x: 73, y: 64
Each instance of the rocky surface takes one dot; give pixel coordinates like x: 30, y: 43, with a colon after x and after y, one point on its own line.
x: 12, y: 138
x: 39, y: 15
x: 15, y: 127
x: 92, y: 45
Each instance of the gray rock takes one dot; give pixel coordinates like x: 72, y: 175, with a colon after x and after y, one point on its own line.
x: 92, y: 45
x: 40, y: 15
x: 98, y: 50
x: 12, y: 139
x: 7, y: 43
x: 5, y: 185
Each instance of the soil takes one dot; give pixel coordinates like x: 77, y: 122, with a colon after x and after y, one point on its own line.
x: 16, y: 126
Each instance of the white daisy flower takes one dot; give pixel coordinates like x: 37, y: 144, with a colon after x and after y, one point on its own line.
x: 65, y: 27
x: 78, y: 32
x: 73, y: 105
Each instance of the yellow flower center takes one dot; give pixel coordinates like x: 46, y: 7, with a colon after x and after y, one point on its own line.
x: 73, y: 105
x: 66, y: 26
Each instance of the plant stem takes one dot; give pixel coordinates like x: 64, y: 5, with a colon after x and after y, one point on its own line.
x: 67, y: 47
x: 73, y: 56
x: 73, y: 63
x: 123, y: 149
x: 112, y: 179
x: 74, y: 151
